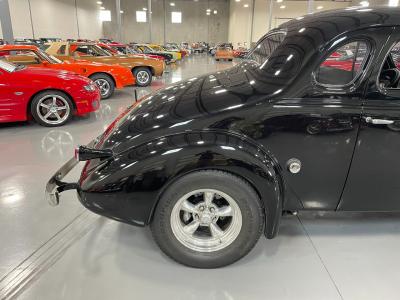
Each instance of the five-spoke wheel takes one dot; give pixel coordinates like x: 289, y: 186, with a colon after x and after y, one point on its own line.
x: 105, y: 83
x: 51, y: 108
x: 208, y: 219
x: 143, y: 76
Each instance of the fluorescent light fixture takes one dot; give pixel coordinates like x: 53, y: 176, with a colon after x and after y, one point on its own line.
x: 99, y: 2
x: 176, y: 17
x: 121, y: 11
x: 393, y: 3
x: 246, y: 5
x: 364, y: 3
x: 105, y: 15
x: 237, y: 0
x: 172, y: 4
x: 144, y: 8
x: 102, y: 7
x: 215, y: 12
x: 141, y: 16
x: 208, y: 13
x: 320, y: 7
x: 208, y: 10
x: 279, y: 1
x: 282, y: 7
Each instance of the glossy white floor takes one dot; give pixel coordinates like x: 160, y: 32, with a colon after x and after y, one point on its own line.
x: 69, y: 253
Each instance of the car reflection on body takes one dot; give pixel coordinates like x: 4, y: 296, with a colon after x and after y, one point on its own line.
x: 51, y: 101
x: 212, y: 162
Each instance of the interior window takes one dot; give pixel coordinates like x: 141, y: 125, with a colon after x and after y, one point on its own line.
x: 390, y: 75
x: 61, y: 50
x: 344, y: 64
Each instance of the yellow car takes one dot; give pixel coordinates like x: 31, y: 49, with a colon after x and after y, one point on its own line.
x: 158, y: 48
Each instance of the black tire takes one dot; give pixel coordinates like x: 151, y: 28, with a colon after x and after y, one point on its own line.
x: 217, y: 59
x: 46, y: 98
x: 143, y: 70
x: 105, y: 81
x: 247, y: 201
x: 230, y: 59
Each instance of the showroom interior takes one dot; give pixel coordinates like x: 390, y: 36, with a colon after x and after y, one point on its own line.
x: 128, y: 129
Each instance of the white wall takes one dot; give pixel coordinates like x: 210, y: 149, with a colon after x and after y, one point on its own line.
x: 90, y: 26
x: 20, y: 19
x: 56, y: 18
x: 240, y: 18
x: 195, y: 26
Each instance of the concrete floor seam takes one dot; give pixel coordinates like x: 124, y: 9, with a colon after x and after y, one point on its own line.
x: 16, y: 281
x: 320, y: 258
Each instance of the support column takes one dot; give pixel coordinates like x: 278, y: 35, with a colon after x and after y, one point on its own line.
x: 165, y: 21
x: 150, y: 20
x: 119, y: 20
x: 253, y: 6
x: 270, y: 9
x: 5, y: 19
x: 310, y: 9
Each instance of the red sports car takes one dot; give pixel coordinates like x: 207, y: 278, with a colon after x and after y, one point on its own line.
x: 50, y: 97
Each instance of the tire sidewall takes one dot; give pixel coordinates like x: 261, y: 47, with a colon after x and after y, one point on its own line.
x: 244, y: 196
x: 108, y: 79
x: 137, y: 70
x: 35, y: 102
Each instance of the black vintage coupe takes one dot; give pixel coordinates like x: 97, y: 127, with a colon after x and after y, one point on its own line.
x: 310, y: 121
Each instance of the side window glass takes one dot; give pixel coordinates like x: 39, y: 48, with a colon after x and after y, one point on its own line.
x: 389, y: 77
x: 61, y: 50
x: 344, y: 64
x: 23, y: 57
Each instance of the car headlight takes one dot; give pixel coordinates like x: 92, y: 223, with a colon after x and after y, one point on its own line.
x: 90, y: 87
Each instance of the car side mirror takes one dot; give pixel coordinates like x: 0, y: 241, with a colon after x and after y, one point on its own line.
x: 45, y: 63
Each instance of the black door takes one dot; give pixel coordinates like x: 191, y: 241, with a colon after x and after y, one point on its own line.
x: 373, y: 183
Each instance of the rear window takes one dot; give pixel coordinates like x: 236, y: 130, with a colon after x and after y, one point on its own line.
x: 263, y: 50
x: 344, y: 64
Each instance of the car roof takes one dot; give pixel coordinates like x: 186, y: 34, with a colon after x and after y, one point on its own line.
x: 347, y: 19
x: 18, y: 47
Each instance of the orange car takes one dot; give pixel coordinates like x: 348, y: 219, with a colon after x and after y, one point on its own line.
x: 105, y: 76
x: 224, y: 53
x: 143, y: 68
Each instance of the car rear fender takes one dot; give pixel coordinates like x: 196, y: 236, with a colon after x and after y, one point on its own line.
x: 144, y: 172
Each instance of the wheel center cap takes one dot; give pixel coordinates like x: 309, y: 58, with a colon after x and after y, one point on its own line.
x: 53, y: 109
x: 205, y: 219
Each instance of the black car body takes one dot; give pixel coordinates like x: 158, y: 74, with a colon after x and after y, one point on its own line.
x: 303, y: 135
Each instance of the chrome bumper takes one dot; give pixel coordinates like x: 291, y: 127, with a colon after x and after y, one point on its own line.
x: 55, y: 185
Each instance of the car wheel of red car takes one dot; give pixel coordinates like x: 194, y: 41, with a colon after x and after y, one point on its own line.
x: 208, y: 219
x: 52, y: 108
x: 105, y: 83
x: 143, y: 76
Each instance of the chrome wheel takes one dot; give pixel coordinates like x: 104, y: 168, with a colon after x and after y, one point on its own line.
x: 206, y: 220
x: 53, y: 109
x: 104, y: 86
x: 142, y: 77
